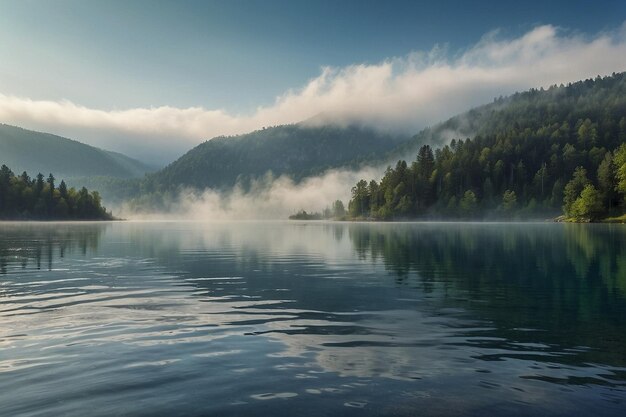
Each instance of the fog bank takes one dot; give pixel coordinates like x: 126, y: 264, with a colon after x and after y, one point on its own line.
x: 268, y: 198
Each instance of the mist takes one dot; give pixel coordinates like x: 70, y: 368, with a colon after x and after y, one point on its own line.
x: 267, y: 199
x: 403, y: 93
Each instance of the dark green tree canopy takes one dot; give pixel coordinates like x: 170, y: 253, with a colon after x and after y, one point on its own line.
x: 532, y: 154
x: 23, y: 198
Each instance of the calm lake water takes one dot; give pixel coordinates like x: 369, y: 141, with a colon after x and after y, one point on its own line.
x: 312, y: 319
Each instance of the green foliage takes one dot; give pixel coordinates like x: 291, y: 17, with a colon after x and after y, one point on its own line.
x: 509, y: 201
x: 557, y: 114
x: 337, y: 212
x: 468, y: 203
x: 359, y: 205
x: 607, y: 180
x: 573, y: 190
x: 538, y: 150
x: 588, y: 206
x: 303, y: 215
x: 23, y: 198
x: 620, y: 168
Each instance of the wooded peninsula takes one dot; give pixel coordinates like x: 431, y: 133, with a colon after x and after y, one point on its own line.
x: 23, y: 198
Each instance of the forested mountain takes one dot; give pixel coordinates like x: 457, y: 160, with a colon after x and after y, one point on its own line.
x: 298, y: 150
x: 27, y: 150
x: 534, y: 153
x: 532, y: 109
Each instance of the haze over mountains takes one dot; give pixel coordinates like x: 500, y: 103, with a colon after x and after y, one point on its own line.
x: 27, y: 150
x: 592, y: 98
x: 297, y: 151
x: 303, y: 151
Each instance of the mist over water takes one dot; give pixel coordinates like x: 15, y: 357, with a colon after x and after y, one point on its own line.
x: 297, y: 318
x: 268, y: 198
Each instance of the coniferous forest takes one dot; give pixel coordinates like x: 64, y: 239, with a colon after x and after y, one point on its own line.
x: 538, y: 154
x: 22, y: 197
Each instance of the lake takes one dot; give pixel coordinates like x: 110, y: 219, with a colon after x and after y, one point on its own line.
x: 312, y: 319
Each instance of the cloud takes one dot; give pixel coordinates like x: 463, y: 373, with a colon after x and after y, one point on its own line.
x: 407, y: 93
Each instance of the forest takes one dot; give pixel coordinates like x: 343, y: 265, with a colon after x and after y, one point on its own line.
x: 299, y: 151
x: 25, y: 198
x: 537, y: 154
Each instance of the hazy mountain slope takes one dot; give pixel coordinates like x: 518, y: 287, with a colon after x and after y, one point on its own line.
x: 27, y: 150
x: 296, y: 150
x: 595, y: 99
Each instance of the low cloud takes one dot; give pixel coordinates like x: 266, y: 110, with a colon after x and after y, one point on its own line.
x: 268, y: 199
x: 406, y: 93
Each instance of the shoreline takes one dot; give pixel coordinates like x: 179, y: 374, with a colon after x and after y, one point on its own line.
x: 559, y: 219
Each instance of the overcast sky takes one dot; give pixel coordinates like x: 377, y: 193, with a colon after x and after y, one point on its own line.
x: 154, y: 78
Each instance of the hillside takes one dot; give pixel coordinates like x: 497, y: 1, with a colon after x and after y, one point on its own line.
x: 533, y: 109
x: 530, y: 155
x: 297, y: 150
x: 27, y: 150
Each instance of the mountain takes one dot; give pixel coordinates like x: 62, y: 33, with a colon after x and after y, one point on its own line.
x: 298, y: 150
x: 532, y: 154
x: 589, y: 99
x: 27, y: 150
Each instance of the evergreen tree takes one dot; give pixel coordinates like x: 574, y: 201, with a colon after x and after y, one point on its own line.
x: 22, y: 198
x: 509, y: 201
x: 588, y: 206
x: 620, y: 169
x: 468, y: 203
x: 573, y: 189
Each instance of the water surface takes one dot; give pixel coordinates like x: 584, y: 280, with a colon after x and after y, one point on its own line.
x: 312, y: 319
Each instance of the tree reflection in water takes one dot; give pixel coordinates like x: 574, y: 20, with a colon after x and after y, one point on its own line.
x: 555, y: 280
x: 36, y: 245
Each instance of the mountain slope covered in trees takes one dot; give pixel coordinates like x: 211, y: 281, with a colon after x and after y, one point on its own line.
x: 298, y: 150
x: 27, y: 150
x: 532, y: 154
x: 531, y: 109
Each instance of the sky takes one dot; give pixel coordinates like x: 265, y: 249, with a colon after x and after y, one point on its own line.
x: 154, y: 78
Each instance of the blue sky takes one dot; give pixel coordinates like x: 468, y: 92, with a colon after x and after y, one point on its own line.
x: 154, y: 78
x: 235, y: 54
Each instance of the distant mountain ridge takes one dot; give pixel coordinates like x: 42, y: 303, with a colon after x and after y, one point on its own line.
x: 297, y: 150
x: 531, y: 109
x: 31, y: 151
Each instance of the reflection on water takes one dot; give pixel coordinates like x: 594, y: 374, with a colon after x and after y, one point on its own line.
x: 312, y: 319
x: 567, y: 280
x: 26, y: 243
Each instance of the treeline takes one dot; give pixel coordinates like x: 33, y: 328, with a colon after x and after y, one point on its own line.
x: 23, y: 198
x: 549, y: 151
x: 335, y: 212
